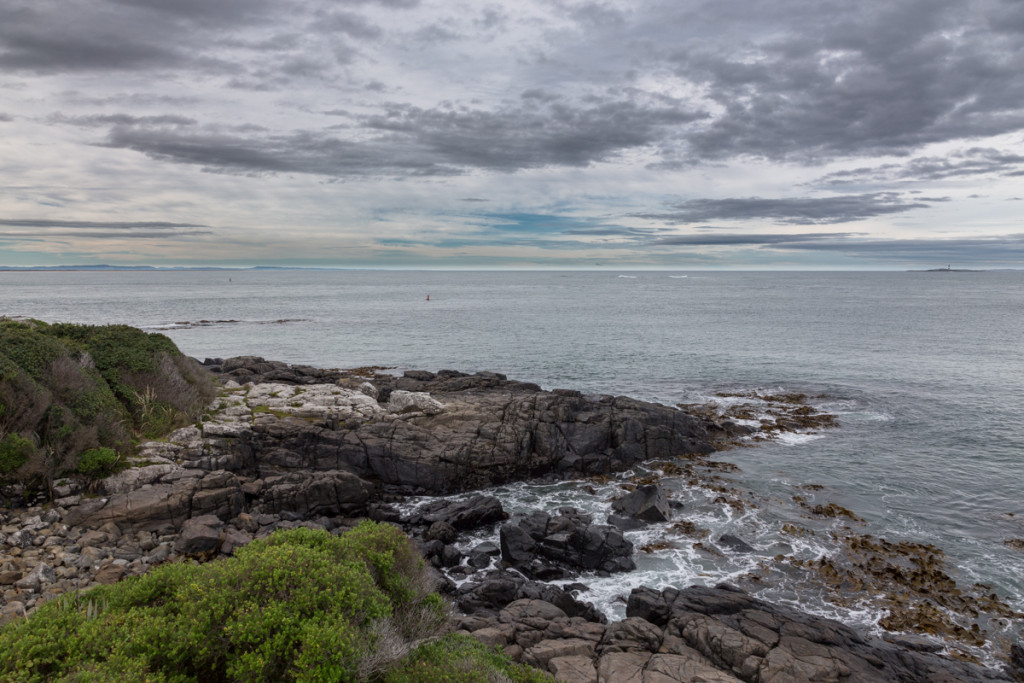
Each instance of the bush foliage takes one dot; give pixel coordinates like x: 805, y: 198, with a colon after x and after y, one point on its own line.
x: 301, y: 605
x: 71, y: 389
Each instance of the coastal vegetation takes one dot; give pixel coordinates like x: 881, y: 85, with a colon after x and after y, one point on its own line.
x: 300, y: 605
x: 77, y: 398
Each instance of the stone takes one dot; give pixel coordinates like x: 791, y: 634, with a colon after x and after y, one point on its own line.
x: 200, y: 535
x: 573, y: 669
x: 465, y: 515
x: 647, y: 503
x: 441, y: 531
x: 632, y: 634
x: 543, y: 652
x: 666, y: 668
x: 233, y: 540
x: 735, y: 543
x: 14, y: 610
x: 109, y: 573
x: 414, y: 401
x: 40, y: 576
x: 622, y: 667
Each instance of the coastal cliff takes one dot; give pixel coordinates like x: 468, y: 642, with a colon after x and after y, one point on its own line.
x: 288, y: 446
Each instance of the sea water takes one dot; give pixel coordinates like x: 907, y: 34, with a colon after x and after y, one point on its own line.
x: 924, y: 371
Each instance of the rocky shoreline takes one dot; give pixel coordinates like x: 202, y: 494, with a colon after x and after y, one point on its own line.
x: 284, y: 446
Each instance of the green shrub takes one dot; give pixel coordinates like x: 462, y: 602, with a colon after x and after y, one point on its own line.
x: 461, y: 659
x: 82, y: 387
x: 301, y: 605
x: 15, y: 451
x: 97, y: 463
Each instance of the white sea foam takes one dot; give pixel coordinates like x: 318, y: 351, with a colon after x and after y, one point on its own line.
x: 631, y: 277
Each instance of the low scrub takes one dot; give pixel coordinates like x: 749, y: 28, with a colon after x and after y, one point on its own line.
x: 301, y: 605
x: 71, y: 389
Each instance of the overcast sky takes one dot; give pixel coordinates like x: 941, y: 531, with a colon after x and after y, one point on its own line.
x: 433, y: 133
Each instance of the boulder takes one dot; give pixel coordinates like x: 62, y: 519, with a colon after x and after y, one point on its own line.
x: 464, y: 515
x: 40, y: 576
x: 540, y: 544
x: 200, y: 535
x: 414, y: 402
x: 647, y: 503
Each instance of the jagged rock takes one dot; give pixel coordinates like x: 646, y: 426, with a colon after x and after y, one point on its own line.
x: 647, y: 503
x: 756, y: 641
x: 200, y: 535
x: 310, y: 494
x: 464, y: 515
x: 490, y: 592
x: 538, y: 543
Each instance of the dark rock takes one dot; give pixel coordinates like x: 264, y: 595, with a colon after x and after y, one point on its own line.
x: 487, y: 548
x: 735, y: 543
x: 450, y: 556
x: 626, y: 523
x: 441, y: 531
x: 200, y: 535
x: 464, y: 515
x: 647, y: 503
x: 632, y: 634
x: 757, y: 641
x: 544, y: 547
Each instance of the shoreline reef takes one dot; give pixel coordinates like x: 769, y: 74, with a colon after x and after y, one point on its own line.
x: 283, y: 447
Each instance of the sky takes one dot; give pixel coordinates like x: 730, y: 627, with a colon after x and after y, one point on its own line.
x: 674, y: 134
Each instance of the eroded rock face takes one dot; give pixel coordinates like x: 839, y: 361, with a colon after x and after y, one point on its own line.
x: 441, y: 433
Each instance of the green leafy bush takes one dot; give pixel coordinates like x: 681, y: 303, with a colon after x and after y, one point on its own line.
x: 301, y: 605
x: 461, y: 659
x: 81, y: 387
x: 15, y: 451
x: 97, y: 462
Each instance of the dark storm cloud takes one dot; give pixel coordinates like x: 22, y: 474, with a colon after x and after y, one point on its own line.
x: 531, y: 136
x: 791, y: 211
x: 971, y: 162
x: 420, y: 141
x: 811, y: 82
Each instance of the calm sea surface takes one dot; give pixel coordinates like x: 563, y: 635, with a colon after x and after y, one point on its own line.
x: 924, y: 370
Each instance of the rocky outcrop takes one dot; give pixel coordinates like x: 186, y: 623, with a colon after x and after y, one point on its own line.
x: 447, y: 431
x: 713, y: 635
x: 557, y: 547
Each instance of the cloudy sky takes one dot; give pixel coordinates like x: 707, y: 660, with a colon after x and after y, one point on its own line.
x: 562, y: 133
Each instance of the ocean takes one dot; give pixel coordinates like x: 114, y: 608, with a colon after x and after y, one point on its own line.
x: 924, y: 372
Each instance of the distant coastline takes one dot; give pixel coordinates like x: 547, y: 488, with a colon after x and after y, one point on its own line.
x: 157, y: 268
